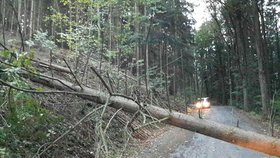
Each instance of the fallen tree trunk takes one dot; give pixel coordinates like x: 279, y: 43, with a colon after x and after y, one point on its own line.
x: 226, y: 133
x: 51, y: 66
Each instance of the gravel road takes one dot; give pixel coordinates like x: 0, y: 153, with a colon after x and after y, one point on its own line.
x: 179, y: 143
x: 202, y: 146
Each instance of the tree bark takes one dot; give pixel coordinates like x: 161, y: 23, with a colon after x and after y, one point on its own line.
x: 12, y: 20
x: 39, y: 15
x: 138, y: 53
x: 147, y: 74
x: 261, y: 62
x: 25, y: 17
x: 3, y: 21
x: 31, y: 19
x: 278, y: 52
x: 19, y: 15
x: 226, y: 133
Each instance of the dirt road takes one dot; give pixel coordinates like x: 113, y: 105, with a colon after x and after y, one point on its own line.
x: 177, y: 143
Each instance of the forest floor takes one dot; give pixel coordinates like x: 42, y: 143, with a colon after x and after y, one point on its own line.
x: 179, y: 143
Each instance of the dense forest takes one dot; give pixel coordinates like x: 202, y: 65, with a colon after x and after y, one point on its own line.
x: 144, y: 50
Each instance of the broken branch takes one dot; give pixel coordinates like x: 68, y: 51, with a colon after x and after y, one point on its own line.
x: 102, y: 80
x: 72, y: 73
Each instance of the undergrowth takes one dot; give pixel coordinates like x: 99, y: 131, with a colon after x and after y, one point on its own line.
x: 25, y: 125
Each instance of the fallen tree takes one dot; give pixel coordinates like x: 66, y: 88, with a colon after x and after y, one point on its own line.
x: 226, y: 133
x: 229, y: 134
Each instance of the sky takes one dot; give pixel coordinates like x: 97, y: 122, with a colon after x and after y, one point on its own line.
x: 200, y: 13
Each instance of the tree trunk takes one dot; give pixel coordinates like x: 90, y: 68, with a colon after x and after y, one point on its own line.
x: 184, y: 79
x: 137, y: 31
x: 242, y: 50
x: 147, y: 55
x: 3, y: 21
x: 261, y: 62
x: 265, y: 49
x: 31, y: 19
x: 226, y: 133
x: 25, y: 17
x: 19, y: 15
x: 39, y: 15
x: 278, y: 53
x: 160, y: 63
x: 12, y: 20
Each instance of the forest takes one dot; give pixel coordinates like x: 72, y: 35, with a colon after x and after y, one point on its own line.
x: 77, y: 77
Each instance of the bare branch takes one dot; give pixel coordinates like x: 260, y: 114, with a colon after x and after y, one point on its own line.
x: 110, y: 82
x: 4, y: 46
x: 37, y: 74
x: 73, y: 127
x: 77, y: 81
x: 40, y: 92
x: 109, y: 122
x: 153, y: 122
x: 102, y: 80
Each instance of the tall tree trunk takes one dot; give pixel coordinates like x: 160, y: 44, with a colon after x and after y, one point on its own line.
x: 184, y: 79
x: 31, y: 19
x: 242, y: 48
x: 12, y: 20
x: 99, y: 37
x: 230, y: 89
x: 160, y: 63
x: 25, y: 17
x: 147, y: 31
x: 261, y: 62
x: 110, y: 28
x: 278, y: 52
x: 39, y: 7
x: 174, y: 82
x: 265, y: 49
x: 166, y: 77
x: 137, y: 31
x: 245, y: 45
x: 19, y: 15
x: 4, y: 20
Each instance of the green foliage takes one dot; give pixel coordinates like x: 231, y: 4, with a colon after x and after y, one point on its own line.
x: 27, y: 128
x: 18, y: 60
x: 24, y: 130
x: 81, y: 39
x: 157, y: 80
x: 276, y: 106
x: 24, y: 123
x: 42, y: 39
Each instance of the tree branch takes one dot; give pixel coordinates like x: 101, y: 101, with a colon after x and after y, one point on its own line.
x: 4, y: 46
x: 102, y: 80
x: 110, y: 82
x: 37, y: 74
x: 73, y: 127
x: 39, y: 92
x: 73, y: 74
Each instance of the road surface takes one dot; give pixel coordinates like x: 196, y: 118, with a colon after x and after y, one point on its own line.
x: 202, y: 146
x: 179, y: 143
